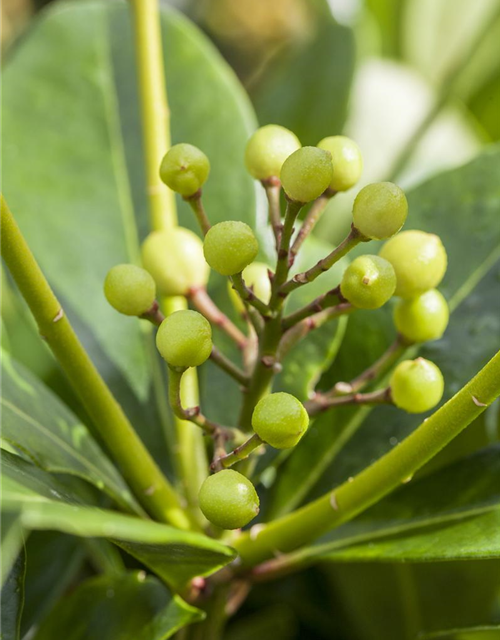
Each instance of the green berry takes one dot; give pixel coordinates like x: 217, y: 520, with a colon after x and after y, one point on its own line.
x: 129, y: 289
x: 423, y: 318
x: 346, y: 159
x: 416, y: 385
x: 280, y: 420
x: 184, y: 169
x: 228, y: 499
x: 267, y: 149
x: 368, y: 282
x: 380, y: 210
x: 306, y: 174
x: 184, y: 339
x: 229, y: 247
x: 256, y: 277
x: 175, y: 260
x: 419, y: 260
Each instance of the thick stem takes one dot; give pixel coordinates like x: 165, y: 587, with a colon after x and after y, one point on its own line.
x: 152, y: 489
x: 371, y: 485
x: 322, y: 402
x: 229, y: 367
x: 325, y: 264
x: 199, y: 211
x: 239, y: 453
x: 155, y: 113
x: 207, y: 307
x: 310, y: 222
x: 272, y: 188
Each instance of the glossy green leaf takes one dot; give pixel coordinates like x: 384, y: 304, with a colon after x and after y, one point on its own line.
x: 35, y: 421
x: 12, y: 600
x: 118, y: 608
x: 461, y: 206
x: 44, y: 503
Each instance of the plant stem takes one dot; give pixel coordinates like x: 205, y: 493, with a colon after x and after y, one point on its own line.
x: 283, y: 266
x: 322, y: 402
x: 310, y: 222
x: 272, y: 188
x: 154, y: 315
x: 155, y: 113
x: 324, y: 301
x: 207, y: 307
x: 229, y: 367
x: 239, y: 453
x: 152, y: 489
x: 323, y: 265
x: 368, y: 487
x: 248, y: 296
x: 199, y: 211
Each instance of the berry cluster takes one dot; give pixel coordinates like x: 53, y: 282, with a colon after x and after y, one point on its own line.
x: 177, y: 263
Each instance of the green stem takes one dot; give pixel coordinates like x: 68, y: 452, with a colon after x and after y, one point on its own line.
x: 229, y: 367
x: 324, y: 301
x: 150, y: 486
x: 207, y: 307
x: 272, y: 188
x: 239, y: 453
x: 248, y: 296
x: 310, y: 222
x: 351, y: 498
x: 196, y: 205
x: 283, y: 264
x: 321, y: 402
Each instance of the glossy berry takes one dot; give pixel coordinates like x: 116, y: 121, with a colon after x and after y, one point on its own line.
x: 423, y: 318
x: 129, y: 289
x: 368, y: 282
x: 256, y: 277
x: 380, y: 210
x: 416, y: 385
x: 229, y: 247
x: 419, y: 260
x: 175, y: 260
x: 228, y: 499
x: 306, y: 174
x: 280, y: 420
x: 184, y: 169
x: 184, y: 339
x: 267, y: 149
x: 346, y: 159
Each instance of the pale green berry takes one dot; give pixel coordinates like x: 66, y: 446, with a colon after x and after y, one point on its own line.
x: 255, y: 276
x: 184, y: 339
x: 280, y: 420
x: 424, y: 318
x: 129, y: 289
x: 346, y: 159
x: 267, y: 149
x: 184, y: 169
x: 416, y: 385
x: 229, y: 247
x: 368, y: 282
x: 175, y: 259
x: 419, y: 260
x: 228, y: 500
x: 380, y: 210
x: 306, y: 174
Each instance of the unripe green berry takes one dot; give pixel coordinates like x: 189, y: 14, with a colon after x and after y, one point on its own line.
x: 184, y: 339
x: 419, y: 260
x: 280, y: 420
x: 129, y: 289
x: 423, y: 318
x: 229, y: 247
x: 175, y: 260
x: 267, y: 149
x: 380, y: 210
x: 255, y: 276
x: 184, y: 169
x: 346, y: 159
x: 416, y: 385
x: 368, y: 282
x: 228, y: 499
x: 306, y: 174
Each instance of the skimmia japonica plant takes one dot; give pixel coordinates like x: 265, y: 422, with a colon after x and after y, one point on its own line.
x: 240, y: 491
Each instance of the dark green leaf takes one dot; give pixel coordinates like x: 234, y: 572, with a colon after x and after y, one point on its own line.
x: 12, y: 600
x: 118, y: 608
x: 40, y: 425
x: 483, y: 632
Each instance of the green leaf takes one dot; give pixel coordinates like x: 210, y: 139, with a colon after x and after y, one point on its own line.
x: 306, y: 88
x: 41, y: 426
x: 42, y: 502
x: 12, y: 542
x: 472, y: 286
x: 118, y: 608
x: 483, y: 632
x: 12, y: 600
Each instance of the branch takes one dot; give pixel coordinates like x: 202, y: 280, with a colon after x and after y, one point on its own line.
x: 229, y: 367
x: 351, y: 498
x: 196, y: 205
x: 154, y: 314
x: 324, y: 301
x: 152, y: 489
x: 248, y: 296
x: 310, y: 221
x: 272, y: 187
x: 239, y: 453
x: 282, y: 266
x: 322, y: 402
x: 207, y: 307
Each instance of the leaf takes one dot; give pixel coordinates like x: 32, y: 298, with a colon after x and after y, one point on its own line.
x: 483, y: 632
x: 472, y: 286
x: 306, y: 88
x: 12, y: 600
x: 118, y: 608
x: 12, y: 542
x: 42, y: 502
x: 41, y: 426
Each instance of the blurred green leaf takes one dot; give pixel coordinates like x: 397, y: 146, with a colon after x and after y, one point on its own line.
x: 40, y: 425
x: 12, y: 600
x: 12, y: 542
x: 118, y: 608
x: 44, y: 503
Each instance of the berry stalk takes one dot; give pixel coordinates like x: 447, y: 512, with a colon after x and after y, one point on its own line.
x: 310, y: 221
